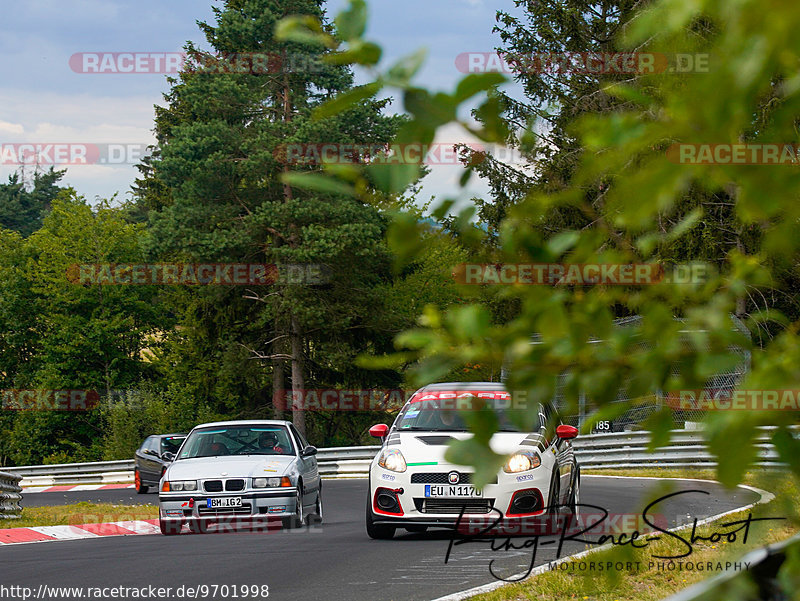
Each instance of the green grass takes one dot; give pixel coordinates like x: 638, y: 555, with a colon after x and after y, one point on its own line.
x: 666, y: 472
x: 647, y: 584
x: 80, y: 513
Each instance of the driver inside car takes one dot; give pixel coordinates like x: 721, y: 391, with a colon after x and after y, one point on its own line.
x: 217, y: 448
x: 268, y: 442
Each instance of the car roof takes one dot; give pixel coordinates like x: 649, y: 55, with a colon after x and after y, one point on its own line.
x: 174, y: 435
x: 245, y: 422
x: 464, y: 386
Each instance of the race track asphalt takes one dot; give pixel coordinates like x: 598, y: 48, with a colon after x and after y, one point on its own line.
x: 333, y: 561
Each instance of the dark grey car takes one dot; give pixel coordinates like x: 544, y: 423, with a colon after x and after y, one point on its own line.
x: 153, y: 457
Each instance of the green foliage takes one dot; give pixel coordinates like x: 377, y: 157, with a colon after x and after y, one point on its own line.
x: 56, y: 334
x: 604, y: 191
x: 22, y: 209
x: 133, y: 415
x: 625, y: 202
x: 223, y: 187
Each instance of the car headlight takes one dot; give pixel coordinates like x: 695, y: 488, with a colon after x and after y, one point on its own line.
x: 522, y: 461
x: 392, y: 460
x: 271, y: 482
x: 179, y: 485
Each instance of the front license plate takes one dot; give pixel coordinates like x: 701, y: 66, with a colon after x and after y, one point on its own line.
x: 224, y: 502
x: 433, y: 490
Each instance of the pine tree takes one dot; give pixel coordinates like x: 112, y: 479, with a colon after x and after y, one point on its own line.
x: 545, y: 47
x: 22, y: 209
x: 213, y: 191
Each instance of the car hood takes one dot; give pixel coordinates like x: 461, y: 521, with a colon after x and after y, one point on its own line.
x: 426, y: 447
x: 244, y: 466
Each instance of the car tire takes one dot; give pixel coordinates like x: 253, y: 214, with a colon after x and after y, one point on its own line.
x: 137, y: 481
x: 575, y: 495
x: 296, y: 520
x: 553, y: 496
x: 316, y: 517
x: 170, y: 527
x: 377, y: 531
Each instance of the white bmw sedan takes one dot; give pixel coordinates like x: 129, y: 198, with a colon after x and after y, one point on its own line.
x: 412, y: 486
x: 241, y: 471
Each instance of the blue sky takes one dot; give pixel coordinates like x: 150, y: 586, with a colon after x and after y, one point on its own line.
x: 43, y: 100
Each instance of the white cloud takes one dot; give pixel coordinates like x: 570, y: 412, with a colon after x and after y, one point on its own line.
x: 80, y: 110
x: 443, y: 180
x: 7, y: 128
x: 80, y: 119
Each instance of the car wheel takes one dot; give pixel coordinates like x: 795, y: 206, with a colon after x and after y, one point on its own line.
x: 296, y: 520
x: 575, y: 497
x: 378, y: 531
x: 170, y: 527
x: 137, y: 481
x: 316, y: 517
x: 553, y: 503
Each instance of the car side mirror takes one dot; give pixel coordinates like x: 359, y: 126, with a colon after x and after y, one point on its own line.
x: 168, y: 456
x: 565, y: 431
x: 308, y: 451
x: 379, y: 430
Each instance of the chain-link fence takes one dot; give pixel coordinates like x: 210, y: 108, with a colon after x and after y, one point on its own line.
x: 631, y: 418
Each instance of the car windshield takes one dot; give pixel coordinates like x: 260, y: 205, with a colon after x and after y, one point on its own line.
x: 238, y: 440
x: 171, y: 444
x: 441, y: 411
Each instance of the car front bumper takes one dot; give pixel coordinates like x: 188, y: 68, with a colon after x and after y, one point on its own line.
x: 267, y: 503
x: 416, y: 508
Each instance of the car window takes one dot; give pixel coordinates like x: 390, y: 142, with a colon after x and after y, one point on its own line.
x: 303, y: 442
x: 442, y: 411
x: 171, y: 444
x: 238, y: 440
x: 149, y: 444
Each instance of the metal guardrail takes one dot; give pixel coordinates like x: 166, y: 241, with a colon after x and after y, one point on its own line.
x: 331, y: 454
x: 341, y: 462
x: 71, y: 468
x: 763, y: 573
x: 10, y: 496
x: 687, y: 448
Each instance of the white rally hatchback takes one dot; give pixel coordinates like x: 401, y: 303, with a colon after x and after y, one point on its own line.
x: 412, y: 486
